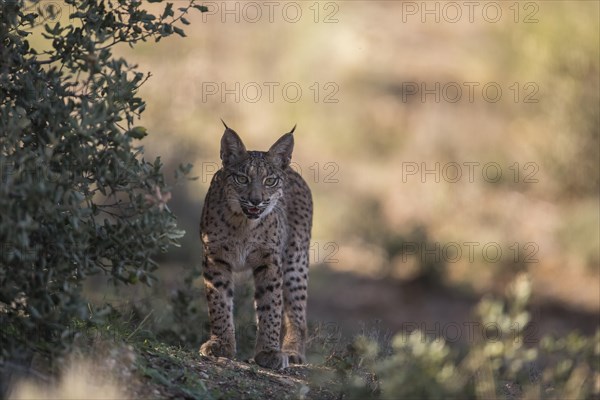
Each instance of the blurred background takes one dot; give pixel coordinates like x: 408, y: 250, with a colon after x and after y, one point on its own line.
x: 448, y: 148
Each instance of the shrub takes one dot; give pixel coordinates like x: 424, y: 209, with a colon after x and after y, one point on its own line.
x: 427, y: 367
x: 77, y: 197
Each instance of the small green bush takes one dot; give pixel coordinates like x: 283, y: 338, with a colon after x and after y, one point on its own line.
x: 505, y: 367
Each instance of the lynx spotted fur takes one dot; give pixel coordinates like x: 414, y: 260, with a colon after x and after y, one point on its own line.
x: 258, y: 216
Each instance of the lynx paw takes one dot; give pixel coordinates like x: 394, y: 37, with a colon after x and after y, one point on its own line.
x: 272, y: 359
x: 217, y: 348
x: 295, y: 358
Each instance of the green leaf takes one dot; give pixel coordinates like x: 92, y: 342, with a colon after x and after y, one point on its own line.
x: 147, y: 18
x: 179, y: 31
x: 176, y: 234
x: 138, y: 132
x: 168, y: 11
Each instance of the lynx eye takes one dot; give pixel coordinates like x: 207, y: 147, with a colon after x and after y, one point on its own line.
x: 271, y: 181
x: 241, y: 179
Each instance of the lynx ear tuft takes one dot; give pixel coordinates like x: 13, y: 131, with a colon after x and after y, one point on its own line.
x: 281, y: 151
x: 232, y: 147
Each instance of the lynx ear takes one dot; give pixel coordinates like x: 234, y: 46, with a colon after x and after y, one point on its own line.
x: 232, y: 147
x: 281, y: 152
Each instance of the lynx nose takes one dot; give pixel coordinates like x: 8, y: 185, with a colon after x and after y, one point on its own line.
x: 255, y: 201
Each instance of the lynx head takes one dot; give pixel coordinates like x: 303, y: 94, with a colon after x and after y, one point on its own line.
x: 254, y: 179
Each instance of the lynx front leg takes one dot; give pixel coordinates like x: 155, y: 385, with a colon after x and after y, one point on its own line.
x: 218, y: 282
x: 295, y: 288
x: 268, y: 301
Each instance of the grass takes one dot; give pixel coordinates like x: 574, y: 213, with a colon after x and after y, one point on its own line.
x: 125, y: 360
